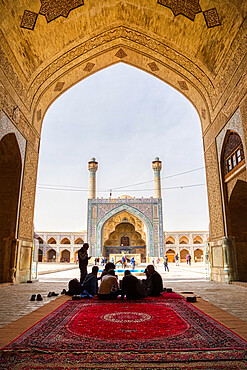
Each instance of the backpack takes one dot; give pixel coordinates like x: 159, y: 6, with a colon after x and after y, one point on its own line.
x: 74, y: 287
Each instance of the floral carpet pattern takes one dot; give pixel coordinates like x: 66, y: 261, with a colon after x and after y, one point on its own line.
x: 103, y: 334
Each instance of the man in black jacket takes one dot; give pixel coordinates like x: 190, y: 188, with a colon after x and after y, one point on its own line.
x: 154, y: 282
x: 132, y: 287
x: 83, y: 261
x: 90, y: 283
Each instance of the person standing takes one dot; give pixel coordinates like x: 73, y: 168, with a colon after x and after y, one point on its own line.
x: 83, y: 261
x: 189, y: 259
x: 133, y: 262
x: 166, y: 263
x: 177, y: 260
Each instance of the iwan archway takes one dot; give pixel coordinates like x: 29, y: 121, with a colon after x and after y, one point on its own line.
x: 124, y: 233
x: 199, y: 51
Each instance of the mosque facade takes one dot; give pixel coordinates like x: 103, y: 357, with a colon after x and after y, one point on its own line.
x: 124, y: 225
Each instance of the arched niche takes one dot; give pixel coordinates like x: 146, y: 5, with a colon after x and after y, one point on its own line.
x: 10, y: 172
x: 65, y: 255
x: 198, y: 255
x: 170, y: 253
x: 183, y: 254
x: 79, y: 241
x: 237, y: 225
x: 197, y: 240
x: 184, y: 240
x: 51, y: 255
x: 51, y: 241
x: 170, y: 240
x: 65, y: 241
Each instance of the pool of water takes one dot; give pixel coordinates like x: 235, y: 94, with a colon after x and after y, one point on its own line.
x: 122, y: 270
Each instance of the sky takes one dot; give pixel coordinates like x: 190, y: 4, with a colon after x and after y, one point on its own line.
x: 124, y: 118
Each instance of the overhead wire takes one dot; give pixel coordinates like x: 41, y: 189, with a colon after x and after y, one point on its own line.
x: 117, y: 189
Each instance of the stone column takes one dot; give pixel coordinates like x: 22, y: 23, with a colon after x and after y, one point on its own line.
x: 92, y: 167
x: 157, y: 166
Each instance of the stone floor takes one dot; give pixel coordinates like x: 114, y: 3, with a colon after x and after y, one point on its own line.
x: 15, y: 299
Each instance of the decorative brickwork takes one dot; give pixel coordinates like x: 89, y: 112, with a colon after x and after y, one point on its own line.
x: 6, y: 127
x: 89, y: 67
x: 214, y: 193
x: 153, y: 66
x: 183, y: 85
x: 29, y: 19
x: 39, y: 115
x: 203, y: 110
x: 121, y: 54
x: 212, y: 18
x: 28, y: 194
x: 59, y: 86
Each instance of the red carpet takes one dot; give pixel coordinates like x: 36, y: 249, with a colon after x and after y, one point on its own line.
x: 154, y: 332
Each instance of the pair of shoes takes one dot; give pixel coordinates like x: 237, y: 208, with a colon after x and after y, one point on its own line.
x: 52, y: 294
x: 76, y: 297
x: 63, y: 291
x: 39, y: 297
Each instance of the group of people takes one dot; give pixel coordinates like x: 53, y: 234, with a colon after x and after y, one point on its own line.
x: 110, y: 288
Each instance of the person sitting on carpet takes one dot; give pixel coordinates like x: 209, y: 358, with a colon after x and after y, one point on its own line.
x: 90, y: 284
x: 108, y: 266
x: 109, y: 288
x: 154, y: 282
x: 132, y: 287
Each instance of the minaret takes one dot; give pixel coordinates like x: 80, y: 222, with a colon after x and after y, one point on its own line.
x: 157, y: 166
x: 92, y: 167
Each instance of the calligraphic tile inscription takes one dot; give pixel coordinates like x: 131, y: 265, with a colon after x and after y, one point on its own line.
x: 28, y: 20
x: 212, y: 18
x: 188, y: 8
x: 53, y: 9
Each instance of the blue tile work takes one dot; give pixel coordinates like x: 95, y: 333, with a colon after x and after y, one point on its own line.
x: 142, y: 208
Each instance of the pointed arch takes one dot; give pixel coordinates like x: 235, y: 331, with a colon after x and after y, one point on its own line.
x: 10, y: 172
x: 65, y: 241
x: 79, y: 241
x: 133, y: 211
x: 184, y: 240
x: 51, y: 241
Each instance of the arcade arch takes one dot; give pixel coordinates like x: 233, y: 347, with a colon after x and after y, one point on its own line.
x: 65, y: 255
x: 170, y: 253
x: 79, y: 241
x: 198, y: 255
x: 170, y: 240
x: 197, y: 240
x: 205, y: 66
x: 183, y: 254
x: 51, y: 241
x: 65, y: 241
x: 184, y: 240
x: 51, y: 255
